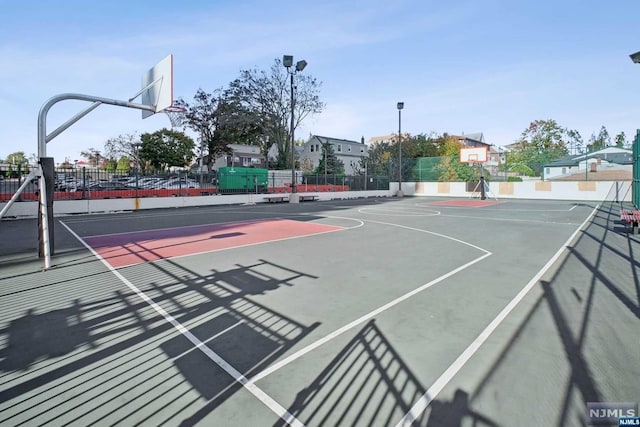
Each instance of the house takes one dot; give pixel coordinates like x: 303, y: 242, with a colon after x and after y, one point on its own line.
x: 272, y: 154
x: 391, y: 139
x: 248, y: 156
x: 472, y: 140
x: 609, y: 159
x: 349, y: 152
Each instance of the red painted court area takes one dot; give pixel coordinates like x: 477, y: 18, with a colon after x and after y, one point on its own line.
x: 466, y: 203
x: 126, y: 249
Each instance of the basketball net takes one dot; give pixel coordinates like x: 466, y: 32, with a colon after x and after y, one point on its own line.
x: 175, y: 114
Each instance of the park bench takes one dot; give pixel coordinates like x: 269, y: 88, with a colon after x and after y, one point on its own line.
x: 632, y: 217
x: 276, y: 199
x: 309, y: 197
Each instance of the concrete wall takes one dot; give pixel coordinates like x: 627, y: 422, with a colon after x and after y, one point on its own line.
x: 70, y: 207
x: 550, y: 190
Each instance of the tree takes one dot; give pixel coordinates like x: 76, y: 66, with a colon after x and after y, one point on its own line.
x: 124, y: 164
x: 542, y: 142
x: 165, y: 148
x: 621, y: 140
x: 575, y: 142
x: 17, y: 158
x: 329, y: 163
x: 450, y: 167
x: 202, y: 116
x: 262, y: 107
x: 123, y: 146
x: 544, y: 135
x: 421, y: 145
x: 92, y: 155
x: 378, y: 160
x: 600, y: 141
x: 18, y: 163
x: 306, y: 165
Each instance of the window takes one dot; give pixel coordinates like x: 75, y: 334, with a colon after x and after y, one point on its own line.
x: 246, y: 161
x: 349, y: 149
x: 362, y: 149
x: 339, y: 148
x: 311, y: 148
x: 564, y: 171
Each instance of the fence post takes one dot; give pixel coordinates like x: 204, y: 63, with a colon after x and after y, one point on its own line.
x: 84, y: 181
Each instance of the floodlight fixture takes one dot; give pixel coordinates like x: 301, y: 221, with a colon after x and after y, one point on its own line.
x: 300, y: 65
x: 400, y: 105
x: 287, y: 60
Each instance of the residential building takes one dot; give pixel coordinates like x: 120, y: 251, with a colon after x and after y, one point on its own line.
x: 607, y: 159
x: 391, y: 139
x: 248, y: 156
x: 471, y: 140
x: 349, y: 152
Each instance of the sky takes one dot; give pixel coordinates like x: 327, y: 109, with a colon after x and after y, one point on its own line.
x: 459, y: 66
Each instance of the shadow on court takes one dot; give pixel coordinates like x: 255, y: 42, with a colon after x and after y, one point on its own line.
x: 578, y: 342
x: 368, y: 383
x: 92, y: 352
x: 118, y: 337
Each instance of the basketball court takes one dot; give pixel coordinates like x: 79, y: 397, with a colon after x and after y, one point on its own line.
x: 364, y: 312
x: 371, y: 312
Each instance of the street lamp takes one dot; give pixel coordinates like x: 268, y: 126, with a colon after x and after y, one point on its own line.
x: 138, y: 163
x: 400, y: 107
x: 98, y: 163
x: 287, y: 61
x: 635, y: 57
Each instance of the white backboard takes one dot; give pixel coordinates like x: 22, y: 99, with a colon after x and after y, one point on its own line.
x: 473, y: 155
x: 157, y: 86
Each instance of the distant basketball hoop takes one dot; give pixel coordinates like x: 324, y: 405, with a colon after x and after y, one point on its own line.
x: 473, y: 155
x: 175, y: 114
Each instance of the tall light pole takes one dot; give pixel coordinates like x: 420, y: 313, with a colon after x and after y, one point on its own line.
x: 400, y: 107
x: 287, y: 61
x: 635, y: 191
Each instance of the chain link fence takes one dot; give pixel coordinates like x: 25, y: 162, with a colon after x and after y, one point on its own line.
x: 92, y: 183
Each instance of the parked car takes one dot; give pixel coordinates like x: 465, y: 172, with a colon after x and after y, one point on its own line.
x: 101, y: 186
x: 150, y: 182
x: 180, y: 183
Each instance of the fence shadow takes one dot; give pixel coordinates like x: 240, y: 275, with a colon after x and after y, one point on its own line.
x: 368, y: 383
x: 575, y: 300
x: 129, y: 352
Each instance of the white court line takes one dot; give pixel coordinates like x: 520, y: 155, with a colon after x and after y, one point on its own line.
x: 267, y: 400
x: 383, y: 211
x: 506, y: 210
x: 533, y: 221
x: 271, y: 369
x: 421, y: 405
x: 180, y: 227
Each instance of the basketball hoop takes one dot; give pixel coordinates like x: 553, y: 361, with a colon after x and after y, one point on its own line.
x: 473, y: 155
x: 175, y: 114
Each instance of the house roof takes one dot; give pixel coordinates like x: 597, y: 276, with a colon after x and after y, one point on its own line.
x: 323, y: 139
x: 387, y: 138
x: 621, y: 156
x: 565, y: 161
